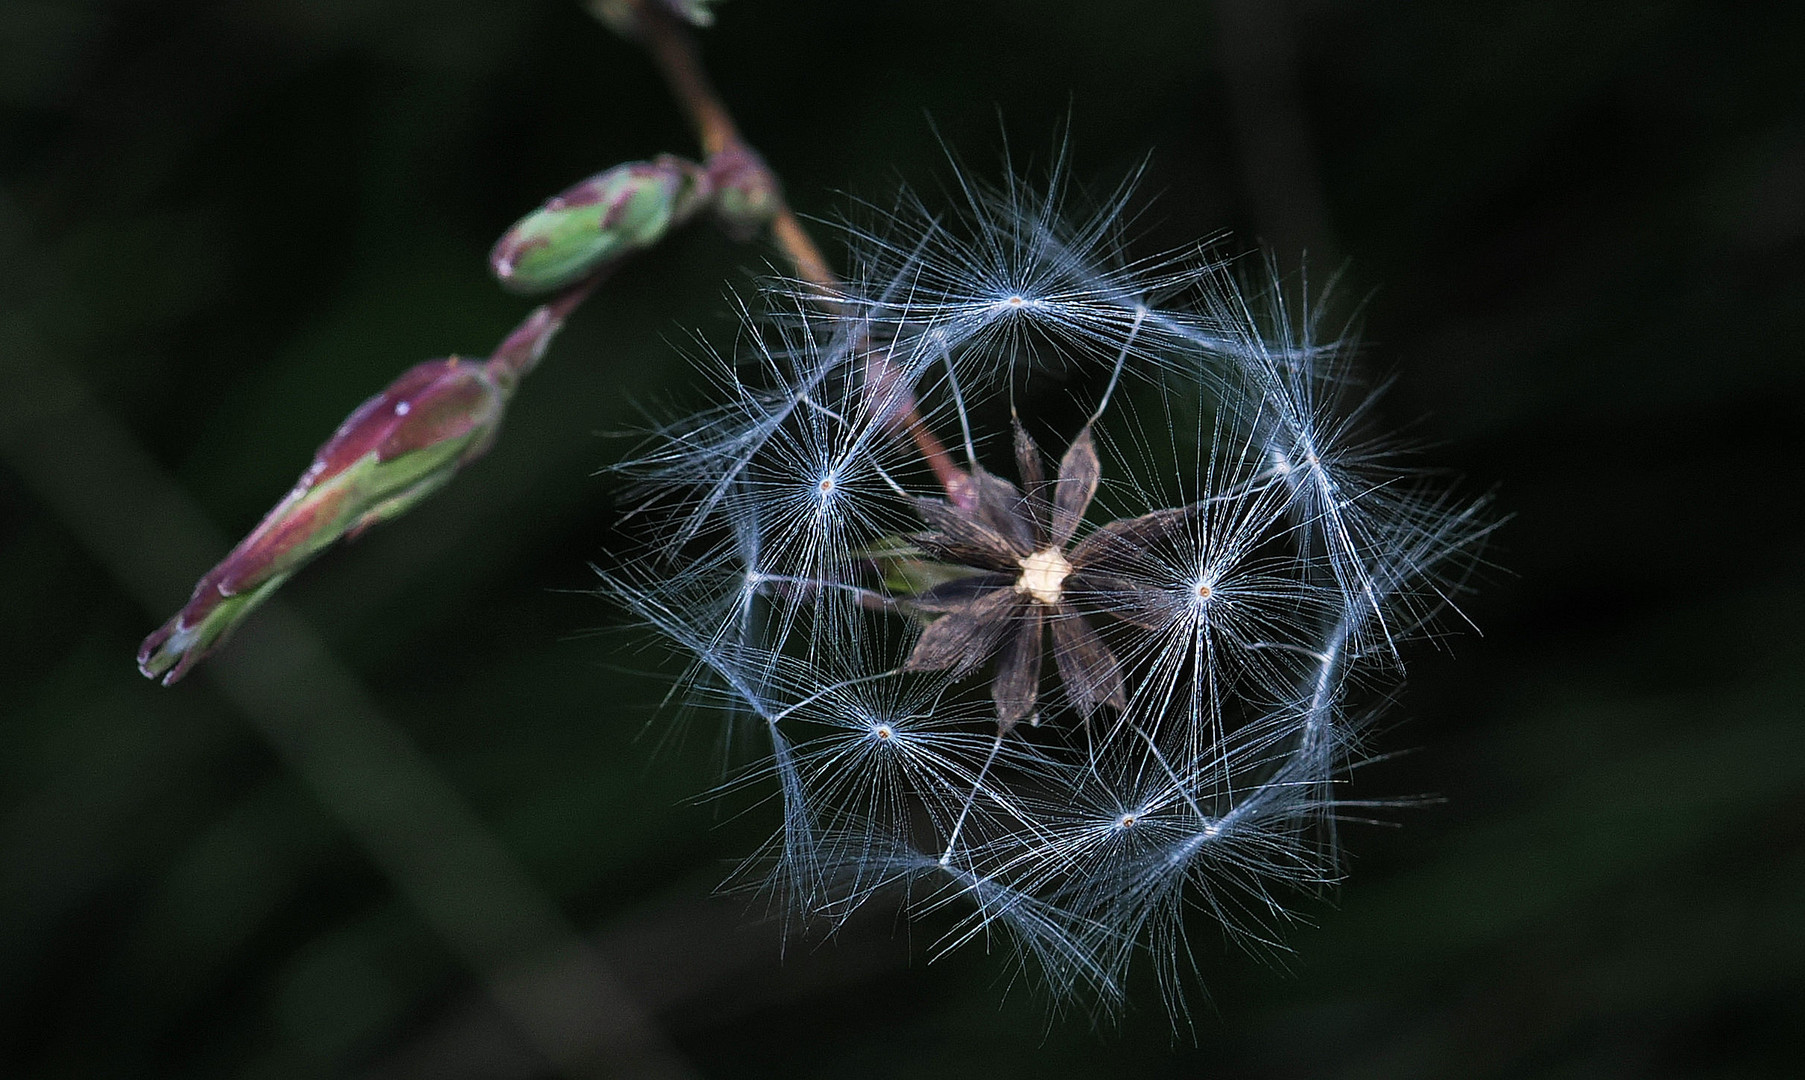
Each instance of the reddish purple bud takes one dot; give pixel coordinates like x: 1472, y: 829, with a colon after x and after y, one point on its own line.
x: 394, y: 450
x: 746, y: 194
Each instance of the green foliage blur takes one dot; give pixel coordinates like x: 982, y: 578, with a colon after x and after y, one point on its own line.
x: 1574, y: 232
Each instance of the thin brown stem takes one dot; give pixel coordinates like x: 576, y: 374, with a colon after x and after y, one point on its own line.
x: 954, y: 480
x: 799, y: 247
x: 673, y: 49
x: 678, y: 60
x: 522, y: 349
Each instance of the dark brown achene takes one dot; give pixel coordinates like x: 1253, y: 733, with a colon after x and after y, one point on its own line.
x: 1019, y: 543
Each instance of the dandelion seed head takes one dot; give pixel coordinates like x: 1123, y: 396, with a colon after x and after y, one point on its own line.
x: 1206, y: 603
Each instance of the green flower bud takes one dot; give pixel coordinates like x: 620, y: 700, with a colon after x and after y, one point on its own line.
x: 601, y: 219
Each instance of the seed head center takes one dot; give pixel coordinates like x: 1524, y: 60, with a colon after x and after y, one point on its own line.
x: 1043, y: 575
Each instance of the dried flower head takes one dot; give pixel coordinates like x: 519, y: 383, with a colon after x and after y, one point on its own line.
x: 879, y: 605
x: 1024, y: 571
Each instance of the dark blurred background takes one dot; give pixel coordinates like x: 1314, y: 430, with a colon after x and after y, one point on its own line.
x: 421, y: 821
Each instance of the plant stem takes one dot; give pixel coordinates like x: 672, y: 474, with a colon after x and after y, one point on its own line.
x: 521, y: 350
x: 674, y: 51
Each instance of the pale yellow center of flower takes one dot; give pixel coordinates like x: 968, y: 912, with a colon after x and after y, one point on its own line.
x: 1042, y: 575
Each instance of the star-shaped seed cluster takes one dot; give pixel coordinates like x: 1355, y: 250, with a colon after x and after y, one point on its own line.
x: 1026, y: 573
